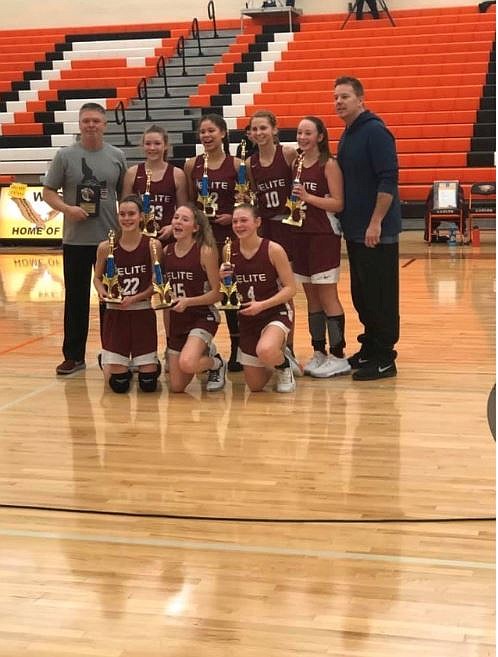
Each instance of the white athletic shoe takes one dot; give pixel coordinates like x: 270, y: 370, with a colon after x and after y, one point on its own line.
x: 315, y: 362
x: 285, y: 380
x: 332, y: 366
x: 216, y: 378
x: 297, y: 369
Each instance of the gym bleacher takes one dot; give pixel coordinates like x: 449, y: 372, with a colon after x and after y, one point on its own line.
x: 431, y: 78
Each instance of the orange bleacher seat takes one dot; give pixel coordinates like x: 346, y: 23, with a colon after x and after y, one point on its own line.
x: 22, y: 129
x: 464, y: 175
x: 432, y: 160
x: 395, y: 94
x: 36, y: 106
x: 304, y: 51
x: 112, y: 103
x: 117, y: 62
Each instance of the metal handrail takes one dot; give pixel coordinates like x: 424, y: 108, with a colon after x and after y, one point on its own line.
x: 180, y: 51
x: 122, y: 120
x: 212, y: 16
x: 143, y: 94
x: 196, y: 34
x: 161, y: 72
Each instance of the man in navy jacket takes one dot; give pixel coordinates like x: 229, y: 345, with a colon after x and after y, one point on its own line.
x: 371, y: 222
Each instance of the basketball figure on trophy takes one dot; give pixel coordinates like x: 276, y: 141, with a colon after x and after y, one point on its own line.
x: 243, y: 193
x: 161, y: 286
x: 231, y: 298
x: 150, y: 225
x: 110, y: 278
x: 205, y: 198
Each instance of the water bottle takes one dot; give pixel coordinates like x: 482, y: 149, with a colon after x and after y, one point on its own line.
x: 452, y: 238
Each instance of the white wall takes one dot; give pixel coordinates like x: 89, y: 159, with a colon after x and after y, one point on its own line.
x: 66, y: 13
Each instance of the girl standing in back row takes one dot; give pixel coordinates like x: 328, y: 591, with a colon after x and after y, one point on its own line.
x: 317, y: 247
x: 168, y: 185
x: 270, y: 174
x: 222, y: 170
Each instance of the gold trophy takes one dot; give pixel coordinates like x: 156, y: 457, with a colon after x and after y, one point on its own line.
x: 243, y: 191
x: 17, y: 192
x: 110, y: 278
x: 294, y: 203
x: 150, y: 225
x: 231, y: 299
x: 207, y: 200
x: 161, y: 286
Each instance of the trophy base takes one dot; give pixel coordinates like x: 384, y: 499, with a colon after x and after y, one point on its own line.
x: 113, y: 300
x: 164, y: 306
x: 292, y: 222
x: 229, y: 306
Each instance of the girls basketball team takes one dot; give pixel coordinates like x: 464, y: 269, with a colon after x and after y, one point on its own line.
x: 269, y: 254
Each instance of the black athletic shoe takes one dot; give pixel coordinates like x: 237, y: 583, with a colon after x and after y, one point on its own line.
x: 375, y: 371
x: 234, y: 365
x: 358, y: 360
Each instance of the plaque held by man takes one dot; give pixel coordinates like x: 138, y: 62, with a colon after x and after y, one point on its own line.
x: 88, y: 192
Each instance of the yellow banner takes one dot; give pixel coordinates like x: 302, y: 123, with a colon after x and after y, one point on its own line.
x: 24, y: 215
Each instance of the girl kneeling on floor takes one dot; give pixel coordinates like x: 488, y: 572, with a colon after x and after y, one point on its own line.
x: 129, y: 334
x: 191, y: 267
x: 266, y: 284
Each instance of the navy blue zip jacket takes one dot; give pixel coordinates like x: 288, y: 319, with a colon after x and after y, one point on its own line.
x: 367, y: 157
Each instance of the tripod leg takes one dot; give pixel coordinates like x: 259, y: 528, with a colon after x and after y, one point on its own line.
x: 385, y: 8
x: 350, y: 13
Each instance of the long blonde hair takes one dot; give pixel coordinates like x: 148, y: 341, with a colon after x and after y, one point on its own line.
x: 204, y: 234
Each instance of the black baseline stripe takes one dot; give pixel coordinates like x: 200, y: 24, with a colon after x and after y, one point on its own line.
x: 304, y: 521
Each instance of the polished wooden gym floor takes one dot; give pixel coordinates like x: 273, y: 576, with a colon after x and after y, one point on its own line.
x: 345, y: 519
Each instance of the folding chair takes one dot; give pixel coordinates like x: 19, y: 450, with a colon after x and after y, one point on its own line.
x: 444, y: 203
x: 482, y: 205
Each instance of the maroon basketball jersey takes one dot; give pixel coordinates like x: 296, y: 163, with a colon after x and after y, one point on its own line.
x: 162, y: 193
x: 134, y: 268
x: 257, y: 279
x: 314, y: 181
x: 273, y: 184
x: 188, y: 279
x: 222, y: 183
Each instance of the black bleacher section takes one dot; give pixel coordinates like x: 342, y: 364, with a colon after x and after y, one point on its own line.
x: 113, y: 36
x: 483, y: 141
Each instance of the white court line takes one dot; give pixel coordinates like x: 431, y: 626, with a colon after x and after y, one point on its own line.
x: 38, y: 391
x: 28, y: 395
x: 252, y: 549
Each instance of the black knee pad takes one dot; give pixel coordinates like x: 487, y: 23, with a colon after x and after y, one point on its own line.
x: 147, y: 381
x: 120, y: 382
